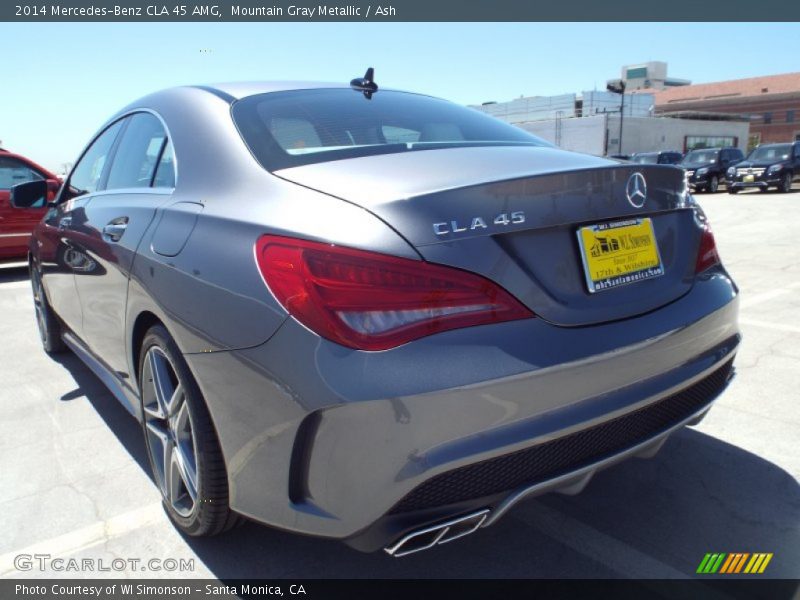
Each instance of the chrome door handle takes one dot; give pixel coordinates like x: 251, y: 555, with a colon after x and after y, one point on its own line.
x: 115, y: 229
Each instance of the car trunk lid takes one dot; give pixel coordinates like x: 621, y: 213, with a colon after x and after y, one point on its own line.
x: 512, y: 214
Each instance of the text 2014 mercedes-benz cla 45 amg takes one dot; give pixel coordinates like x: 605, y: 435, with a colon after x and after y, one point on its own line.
x: 372, y: 315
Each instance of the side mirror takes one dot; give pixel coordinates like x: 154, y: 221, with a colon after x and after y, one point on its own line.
x: 32, y: 194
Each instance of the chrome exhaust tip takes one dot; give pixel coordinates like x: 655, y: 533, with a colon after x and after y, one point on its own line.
x: 441, y: 533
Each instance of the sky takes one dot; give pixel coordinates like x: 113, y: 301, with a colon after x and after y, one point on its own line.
x: 60, y: 82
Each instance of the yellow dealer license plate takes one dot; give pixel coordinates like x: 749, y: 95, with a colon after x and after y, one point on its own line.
x: 748, y: 178
x: 617, y: 253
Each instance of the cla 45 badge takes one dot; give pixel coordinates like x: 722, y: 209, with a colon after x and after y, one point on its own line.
x: 501, y: 220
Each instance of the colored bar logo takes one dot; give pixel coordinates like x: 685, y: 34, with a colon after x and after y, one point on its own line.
x: 735, y: 562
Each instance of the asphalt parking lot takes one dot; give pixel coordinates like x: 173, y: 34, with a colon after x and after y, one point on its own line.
x: 74, y: 479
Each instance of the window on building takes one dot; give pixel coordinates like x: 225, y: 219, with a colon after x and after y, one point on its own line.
x: 637, y: 73
x: 697, y: 142
x: 790, y: 116
x: 767, y: 118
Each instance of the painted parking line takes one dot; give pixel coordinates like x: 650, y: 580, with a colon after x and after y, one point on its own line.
x: 769, y: 325
x: 13, y: 265
x: 15, y: 285
x: 85, y: 537
x: 748, y: 301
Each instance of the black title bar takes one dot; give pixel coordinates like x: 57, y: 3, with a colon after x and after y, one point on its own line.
x: 399, y: 11
x: 188, y: 589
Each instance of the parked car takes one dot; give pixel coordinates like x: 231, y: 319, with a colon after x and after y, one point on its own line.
x: 372, y: 315
x: 16, y: 225
x: 767, y: 166
x: 706, y: 168
x: 664, y: 157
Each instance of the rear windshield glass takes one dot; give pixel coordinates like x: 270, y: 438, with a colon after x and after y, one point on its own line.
x: 645, y: 159
x: 287, y: 129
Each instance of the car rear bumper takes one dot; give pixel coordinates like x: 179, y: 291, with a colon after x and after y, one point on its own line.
x: 758, y: 183
x: 640, y: 433
x: 327, y: 441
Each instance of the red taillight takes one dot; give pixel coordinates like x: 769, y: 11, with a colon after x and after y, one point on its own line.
x: 707, y: 256
x: 372, y: 301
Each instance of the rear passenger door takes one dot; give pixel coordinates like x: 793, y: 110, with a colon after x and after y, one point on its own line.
x: 139, y: 180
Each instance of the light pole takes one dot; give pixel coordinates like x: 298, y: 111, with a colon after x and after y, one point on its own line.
x: 617, y: 86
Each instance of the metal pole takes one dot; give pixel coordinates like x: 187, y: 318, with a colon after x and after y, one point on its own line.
x: 621, y: 115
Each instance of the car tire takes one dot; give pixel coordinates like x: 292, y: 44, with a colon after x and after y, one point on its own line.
x: 182, y: 445
x: 713, y: 185
x: 50, y: 329
x: 786, y: 184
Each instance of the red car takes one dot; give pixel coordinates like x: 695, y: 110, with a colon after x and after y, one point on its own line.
x: 16, y: 224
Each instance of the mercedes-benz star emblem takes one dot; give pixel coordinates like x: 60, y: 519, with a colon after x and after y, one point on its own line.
x: 636, y: 190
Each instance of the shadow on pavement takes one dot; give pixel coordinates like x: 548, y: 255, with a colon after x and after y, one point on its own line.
x: 10, y: 272
x: 698, y: 495
x: 124, y: 426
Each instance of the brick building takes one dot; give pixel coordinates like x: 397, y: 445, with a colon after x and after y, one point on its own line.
x: 771, y: 104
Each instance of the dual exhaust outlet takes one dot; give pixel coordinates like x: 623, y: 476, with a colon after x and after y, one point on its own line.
x: 441, y: 533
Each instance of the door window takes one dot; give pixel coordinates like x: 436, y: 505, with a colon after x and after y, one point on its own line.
x: 138, y: 153
x: 165, y: 172
x: 13, y: 172
x: 86, y: 176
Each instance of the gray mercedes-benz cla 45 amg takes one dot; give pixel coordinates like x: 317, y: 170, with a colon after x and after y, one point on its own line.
x: 376, y: 316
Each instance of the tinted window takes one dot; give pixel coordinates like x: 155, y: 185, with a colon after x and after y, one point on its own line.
x: 776, y: 152
x: 285, y: 129
x: 700, y: 156
x: 13, y: 172
x: 734, y: 154
x: 669, y: 158
x: 87, y: 173
x: 165, y: 172
x: 645, y: 159
x: 137, y: 155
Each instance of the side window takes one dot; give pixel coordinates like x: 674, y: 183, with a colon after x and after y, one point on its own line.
x: 13, y: 172
x: 399, y: 135
x: 165, y: 171
x: 87, y: 173
x: 137, y: 155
